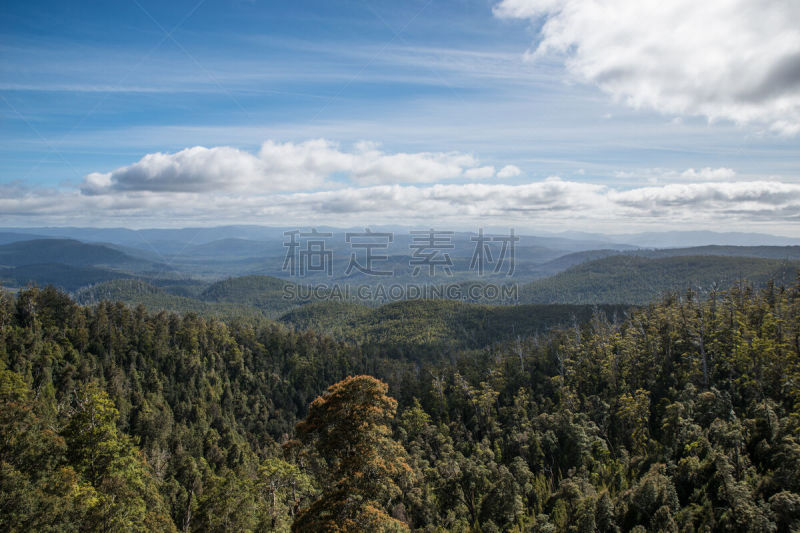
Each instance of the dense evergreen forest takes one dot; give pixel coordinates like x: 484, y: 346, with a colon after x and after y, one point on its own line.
x: 683, y: 415
x: 638, y: 280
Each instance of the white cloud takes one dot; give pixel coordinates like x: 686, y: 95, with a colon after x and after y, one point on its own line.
x: 749, y: 199
x: 708, y: 173
x: 195, y: 169
x: 509, y: 171
x: 480, y: 173
x: 297, y: 183
x: 284, y: 167
x: 722, y: 59
x: 552, y: 202
x: 664, y: 175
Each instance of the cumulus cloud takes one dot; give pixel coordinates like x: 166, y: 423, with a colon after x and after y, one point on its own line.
x: 195, y: 169
x: 555, y: 202
x: 749, y: 199
x: 724, y: 59
x: 294, y: 183
x: 284, y: 167
x: 509, y: 171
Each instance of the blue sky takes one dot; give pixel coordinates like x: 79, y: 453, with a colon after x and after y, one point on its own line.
x: 501, y: 112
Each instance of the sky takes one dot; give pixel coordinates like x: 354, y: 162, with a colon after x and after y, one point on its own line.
x: 544, y: 115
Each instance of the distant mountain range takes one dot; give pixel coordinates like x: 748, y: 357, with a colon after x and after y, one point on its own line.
x: 683, y: 239
x: 71, y: 264
x: 220, y: 268
x: 144, y: 238
x: 66, y: 251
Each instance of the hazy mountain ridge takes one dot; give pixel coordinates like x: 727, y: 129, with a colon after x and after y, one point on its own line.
x: 676, y: 239
x: 220, y: 271
x: 75, y: 253
x: 66, y: 277
x: 765, y: 252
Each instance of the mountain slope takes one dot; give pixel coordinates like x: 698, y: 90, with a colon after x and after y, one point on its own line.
x: 765, y: 252
x: 264, y: 292
x: 68, y: 252
x: 673, y: 239
x: 639, y: 280
x: 66, y: 277
x: 437, y: 324
x: 135, y: 292
x: 7, y: 237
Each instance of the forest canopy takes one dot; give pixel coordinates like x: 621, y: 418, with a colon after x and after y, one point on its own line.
x: 683, y: 415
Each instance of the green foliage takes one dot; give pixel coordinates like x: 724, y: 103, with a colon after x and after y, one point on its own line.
x: 431, y: 326
x: 83, y: 476
x: 137, y: 292
x: 348, y: 427
x: 683, y: 415
x: 627, y: 279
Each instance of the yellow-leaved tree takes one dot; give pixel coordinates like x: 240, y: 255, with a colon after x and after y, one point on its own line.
x: 348, y: 427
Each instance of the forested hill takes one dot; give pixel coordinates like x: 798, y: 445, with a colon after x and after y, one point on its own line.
x: 247, y: 296
x: 422, y: 326
x: 262, y: 292
x: 789, y: 253
x: 134, y: 292
x: 71, y: 264
x: 684, y: 416
x: 629, y: 279
x: 69, y: 252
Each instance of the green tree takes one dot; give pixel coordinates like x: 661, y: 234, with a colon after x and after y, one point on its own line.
x: 633, y: 411
x: 282, y: 486
x: 348, y: 427
x: 108, y: 460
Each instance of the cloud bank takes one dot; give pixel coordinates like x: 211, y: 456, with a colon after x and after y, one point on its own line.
x: 552, y: 202
x: 286, y: 167
x: 316, y: 182
x: 726, y: 59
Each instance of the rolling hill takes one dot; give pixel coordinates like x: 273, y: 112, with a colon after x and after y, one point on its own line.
x: 76, y: 254
x: 261, y: 295
x: 63, y: 251
x: 70, y: 264
x: 765, y: 252
x: 611, y: 276
x: 626, y: 279
x: 135, y: 292
x: 262, y: 292
x: 440, y: 324
x: 66, y: 277
x: 7, y: 237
